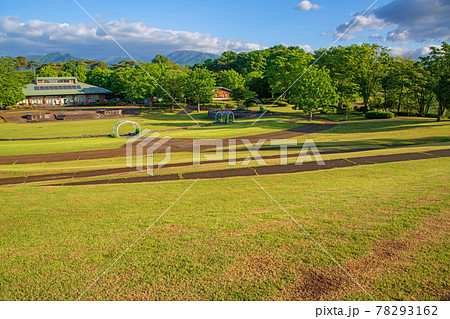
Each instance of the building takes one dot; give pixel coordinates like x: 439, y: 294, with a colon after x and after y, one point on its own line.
x: 222, y: 94
x: 50, y: 91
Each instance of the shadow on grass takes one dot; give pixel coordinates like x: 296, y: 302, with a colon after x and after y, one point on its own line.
x: 388, y: 126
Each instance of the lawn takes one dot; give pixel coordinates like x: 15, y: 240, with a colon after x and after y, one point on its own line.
x: 387, y: 224
x: 155, y: 120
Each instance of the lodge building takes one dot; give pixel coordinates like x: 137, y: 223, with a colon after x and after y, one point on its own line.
x: 52, y: 91
x: 221, y: 94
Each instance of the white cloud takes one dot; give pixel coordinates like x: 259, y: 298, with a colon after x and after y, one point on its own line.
x: 412, y: 53
x: 408, y: 20
x: 360, y: 23
x: 138, y: 38
x: 305, y: 47
x: 376, y: 36
x: 306, y: 5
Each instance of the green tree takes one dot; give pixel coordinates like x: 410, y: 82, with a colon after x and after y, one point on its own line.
x: 256, y: 82
x: 438, y: 64
x: 46, y: 71
x: 134, y: 83
x: 337, y: 61
x: 21, y: 62
x: 230, y: 79
x: 314, y: 90
x: 100, y: 77
x: 200, y: 86
x: 99, y: 64
x: 285, y: 66
x: 173, y: 81
x: 367, y: 63
x: 241, y: 94
x: 11, y: 83
x: 81, y: 73
x: 162, y: 59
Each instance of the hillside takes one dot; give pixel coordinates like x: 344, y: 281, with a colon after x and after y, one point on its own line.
x: 54, y: 57
x: 187, y: 57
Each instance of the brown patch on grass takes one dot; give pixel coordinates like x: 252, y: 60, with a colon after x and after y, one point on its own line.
x: 318, y: 284
x: 383, y: 257
x: 427, y: 200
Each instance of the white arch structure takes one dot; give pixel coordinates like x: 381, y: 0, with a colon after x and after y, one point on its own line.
x: 224, y: 117
x: 117, y: 125
x: 258, y: 102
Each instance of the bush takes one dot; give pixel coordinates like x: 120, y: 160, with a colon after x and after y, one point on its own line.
x: 379, y: 115
x: 11, y: 107
x: 240, y: 107
x: 282, y: 103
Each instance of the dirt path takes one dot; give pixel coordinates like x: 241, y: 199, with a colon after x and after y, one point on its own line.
x: 177, y: 145
x: 273, y: 169
x: 243, y: 171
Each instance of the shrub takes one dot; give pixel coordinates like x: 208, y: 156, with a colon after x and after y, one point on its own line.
x: 240, y: 107
x: 282, y: 103
x: 379, y: 115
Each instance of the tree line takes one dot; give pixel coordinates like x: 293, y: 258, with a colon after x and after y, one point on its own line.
x: 326, y: 78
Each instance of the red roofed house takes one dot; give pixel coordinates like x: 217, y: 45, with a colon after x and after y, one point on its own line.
x: 222, y: 94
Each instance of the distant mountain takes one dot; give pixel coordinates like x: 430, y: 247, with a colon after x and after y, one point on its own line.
x: 54, y: 57
x: 181, y: 57
x: 187, y: 57
x: 115, y: 59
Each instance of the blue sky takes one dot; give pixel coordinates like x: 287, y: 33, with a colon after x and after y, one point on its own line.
x: 149, y: 27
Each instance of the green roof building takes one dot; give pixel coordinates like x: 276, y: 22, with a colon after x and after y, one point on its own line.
x: 50, y: 91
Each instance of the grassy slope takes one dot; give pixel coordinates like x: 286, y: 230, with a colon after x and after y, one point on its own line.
x: 386, y: 224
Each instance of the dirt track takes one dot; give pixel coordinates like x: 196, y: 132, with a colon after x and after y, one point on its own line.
x: 243, y: 171
x: 274, y: 169
x: 177, y: 145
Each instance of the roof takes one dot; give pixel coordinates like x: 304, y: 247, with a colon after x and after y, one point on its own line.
x: 56, y: 78
x: 63, y: 89
x: 223, y: 88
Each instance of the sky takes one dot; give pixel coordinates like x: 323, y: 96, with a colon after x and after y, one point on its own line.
x: 147, y: 28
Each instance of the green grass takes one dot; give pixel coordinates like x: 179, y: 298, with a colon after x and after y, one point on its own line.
x: 386, y: 133
x: 8, y: 148
x: 387, y: 224
x: 155, y: 120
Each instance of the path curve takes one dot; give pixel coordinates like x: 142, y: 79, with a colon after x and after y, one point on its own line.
x: 177, y: 145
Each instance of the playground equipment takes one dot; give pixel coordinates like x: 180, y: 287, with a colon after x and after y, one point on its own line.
x: 258, y: 102
x: 117, y: 125
x: 224, y: 117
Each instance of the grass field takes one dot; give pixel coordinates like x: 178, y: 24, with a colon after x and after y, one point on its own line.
x: 225, y: 239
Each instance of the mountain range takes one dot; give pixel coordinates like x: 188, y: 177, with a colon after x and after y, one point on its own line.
x: 181, y: 57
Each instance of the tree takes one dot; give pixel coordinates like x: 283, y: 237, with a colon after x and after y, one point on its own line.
x: 81, y: 73
x: 367, y: 63
x: 256, y: 82
x: 11, y: 83
x: 438, y: 64
x: 173, y: 81
x: 46, y: 71
x: 239, y: 94
x: 285, y: 66
x: 134, y: 83
x: 314, y: 90
x: 100, y: 64
x: 200, y: 86
x: 161, y: 59
x: 21, y: 62
x: 230, y: 79
x: 337, y: 61
x: 100, y: 77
